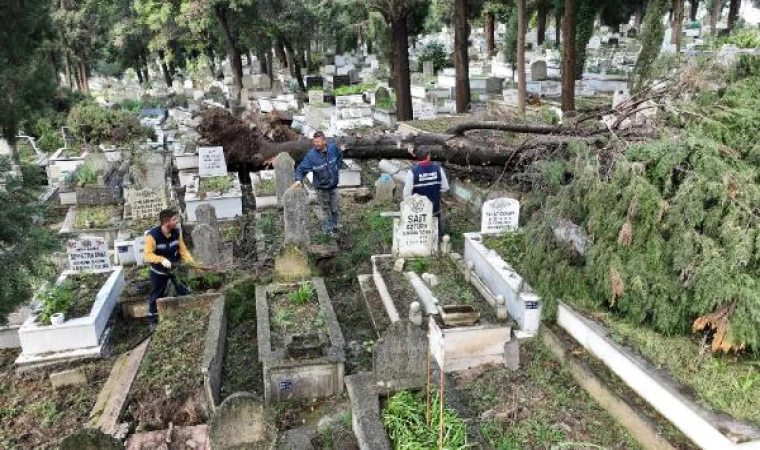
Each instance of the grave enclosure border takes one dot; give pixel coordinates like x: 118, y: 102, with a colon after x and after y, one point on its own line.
x: 278, y: 368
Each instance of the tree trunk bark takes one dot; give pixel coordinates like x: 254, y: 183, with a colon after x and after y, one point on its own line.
x: 463, y: 127
x: 139, y: 74
x: 280, y: 52
x: 270, y: 65
x: 694, y: 9
x: 638, y: 15
x: 557, y: 29
x: 569, y: 26
x: 401, y: 69
x: 296, y: 66
x: 521, y: 26
x: 733, y: 13
x: 309, y: 62
x: 543, y: 11
x: 55, y: 66
x: 67, y: 64
x: 461, y: 59
x: 236, y: 62
x: 165, y: 69
x: 717, y: 6
x: 263, y: 63
x: 490, y: 34
x: 211, y: 62
x: 675, y: 37
x: 85, y: 79
x: 146, y: 66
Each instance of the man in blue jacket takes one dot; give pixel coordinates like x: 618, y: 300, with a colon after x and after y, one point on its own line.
x: 324, y: 160
x: 427, y: 178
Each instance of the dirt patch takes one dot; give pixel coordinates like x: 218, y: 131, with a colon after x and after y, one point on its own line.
x: 33, y: 414
x: 452, y: 289
x: 169, y: 384
x: 399, y: 287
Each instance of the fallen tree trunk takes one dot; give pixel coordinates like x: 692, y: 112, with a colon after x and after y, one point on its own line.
x: 459, y: 129
x: 246, y: 150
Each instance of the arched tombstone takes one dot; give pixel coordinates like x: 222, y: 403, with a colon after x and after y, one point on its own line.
x: 242, y: 422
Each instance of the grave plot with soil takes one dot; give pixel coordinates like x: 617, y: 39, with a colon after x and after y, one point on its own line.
x: 33, y: 414
x: 97, y: 217
x: 169, y: 385
x: 299, y: 340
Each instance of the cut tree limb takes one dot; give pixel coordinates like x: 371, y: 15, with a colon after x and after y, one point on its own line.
x: 520, y: 128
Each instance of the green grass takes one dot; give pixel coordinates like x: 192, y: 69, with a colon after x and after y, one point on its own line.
x: 728, y: 383
x: 220, y: 184
x: 540, y: 407
x: 408, y: 428
x: 94, y: 217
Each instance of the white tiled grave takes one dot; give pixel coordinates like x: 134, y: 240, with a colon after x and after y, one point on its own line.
x: 228, y: 205
x: 523, y: 304
x: 75, y: 338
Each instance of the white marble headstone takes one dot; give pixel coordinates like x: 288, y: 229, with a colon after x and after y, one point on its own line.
x: 500, y: 215
x: 87, y: 254
x: 415, y: 233
x: 211, y: 162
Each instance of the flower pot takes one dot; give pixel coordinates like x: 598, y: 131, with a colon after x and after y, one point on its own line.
x: 57, y: 319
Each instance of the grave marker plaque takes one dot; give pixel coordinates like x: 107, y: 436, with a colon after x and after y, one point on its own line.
x: 87, y: 254
x: 147, y: 203
x: 211, y: 162
x: 416, y: 232
x: 500, y: 215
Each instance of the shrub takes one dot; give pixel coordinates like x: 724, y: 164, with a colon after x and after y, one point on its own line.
x: 436, y: 53
x: 95, y: 124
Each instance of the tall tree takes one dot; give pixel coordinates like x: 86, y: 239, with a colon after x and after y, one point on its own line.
x: 568, y: 55
x: 461, y: 58
x: 26, y: 81
x: 715, y: 9
x: 26, y: 85
x: 694, y: 4
x: 675, y: 36
x: 586, y: 16
x: 522, y: 25
x: 651, y: 41
x: 733, y: 12
x: 395, y: 13
x: 542, y: 14
x: 490, y: 33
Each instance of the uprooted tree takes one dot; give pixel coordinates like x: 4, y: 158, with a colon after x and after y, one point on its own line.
x: 672, y: 222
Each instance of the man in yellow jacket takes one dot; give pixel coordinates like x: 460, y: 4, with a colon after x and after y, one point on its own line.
x: 164, y: 249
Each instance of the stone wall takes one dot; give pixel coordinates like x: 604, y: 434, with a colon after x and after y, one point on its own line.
x: 97, y: 195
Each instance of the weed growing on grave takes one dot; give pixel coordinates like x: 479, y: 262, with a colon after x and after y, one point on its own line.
x: 220, y: 184
x: 94, y: 216
x: 404, y: 419
x: 354, y: 89
x: 418, y: 265
x: 86, y: 174
x: 74, y: 297
x: 266, y: 187
x: 304, y: 294
x: 45, y: 411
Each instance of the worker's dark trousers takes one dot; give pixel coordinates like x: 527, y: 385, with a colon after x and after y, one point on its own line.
x: 160, y: 282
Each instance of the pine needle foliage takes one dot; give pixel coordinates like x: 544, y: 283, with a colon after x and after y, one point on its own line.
x: 673, y: 229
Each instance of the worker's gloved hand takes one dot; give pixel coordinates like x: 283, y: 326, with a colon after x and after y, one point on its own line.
x: 297, y: 185
x: 166, y: 263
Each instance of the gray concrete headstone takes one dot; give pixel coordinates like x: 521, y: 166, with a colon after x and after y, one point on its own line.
x: 284, y: 174
x: 428, y: 68
x: 207, y: 237
x: 494, y: 85
x: 399, y: 358
x: 295, y: 204
x: 384, y: 187
x: 538, y: 71
x: 241, y: 421
x: 90, y: 439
